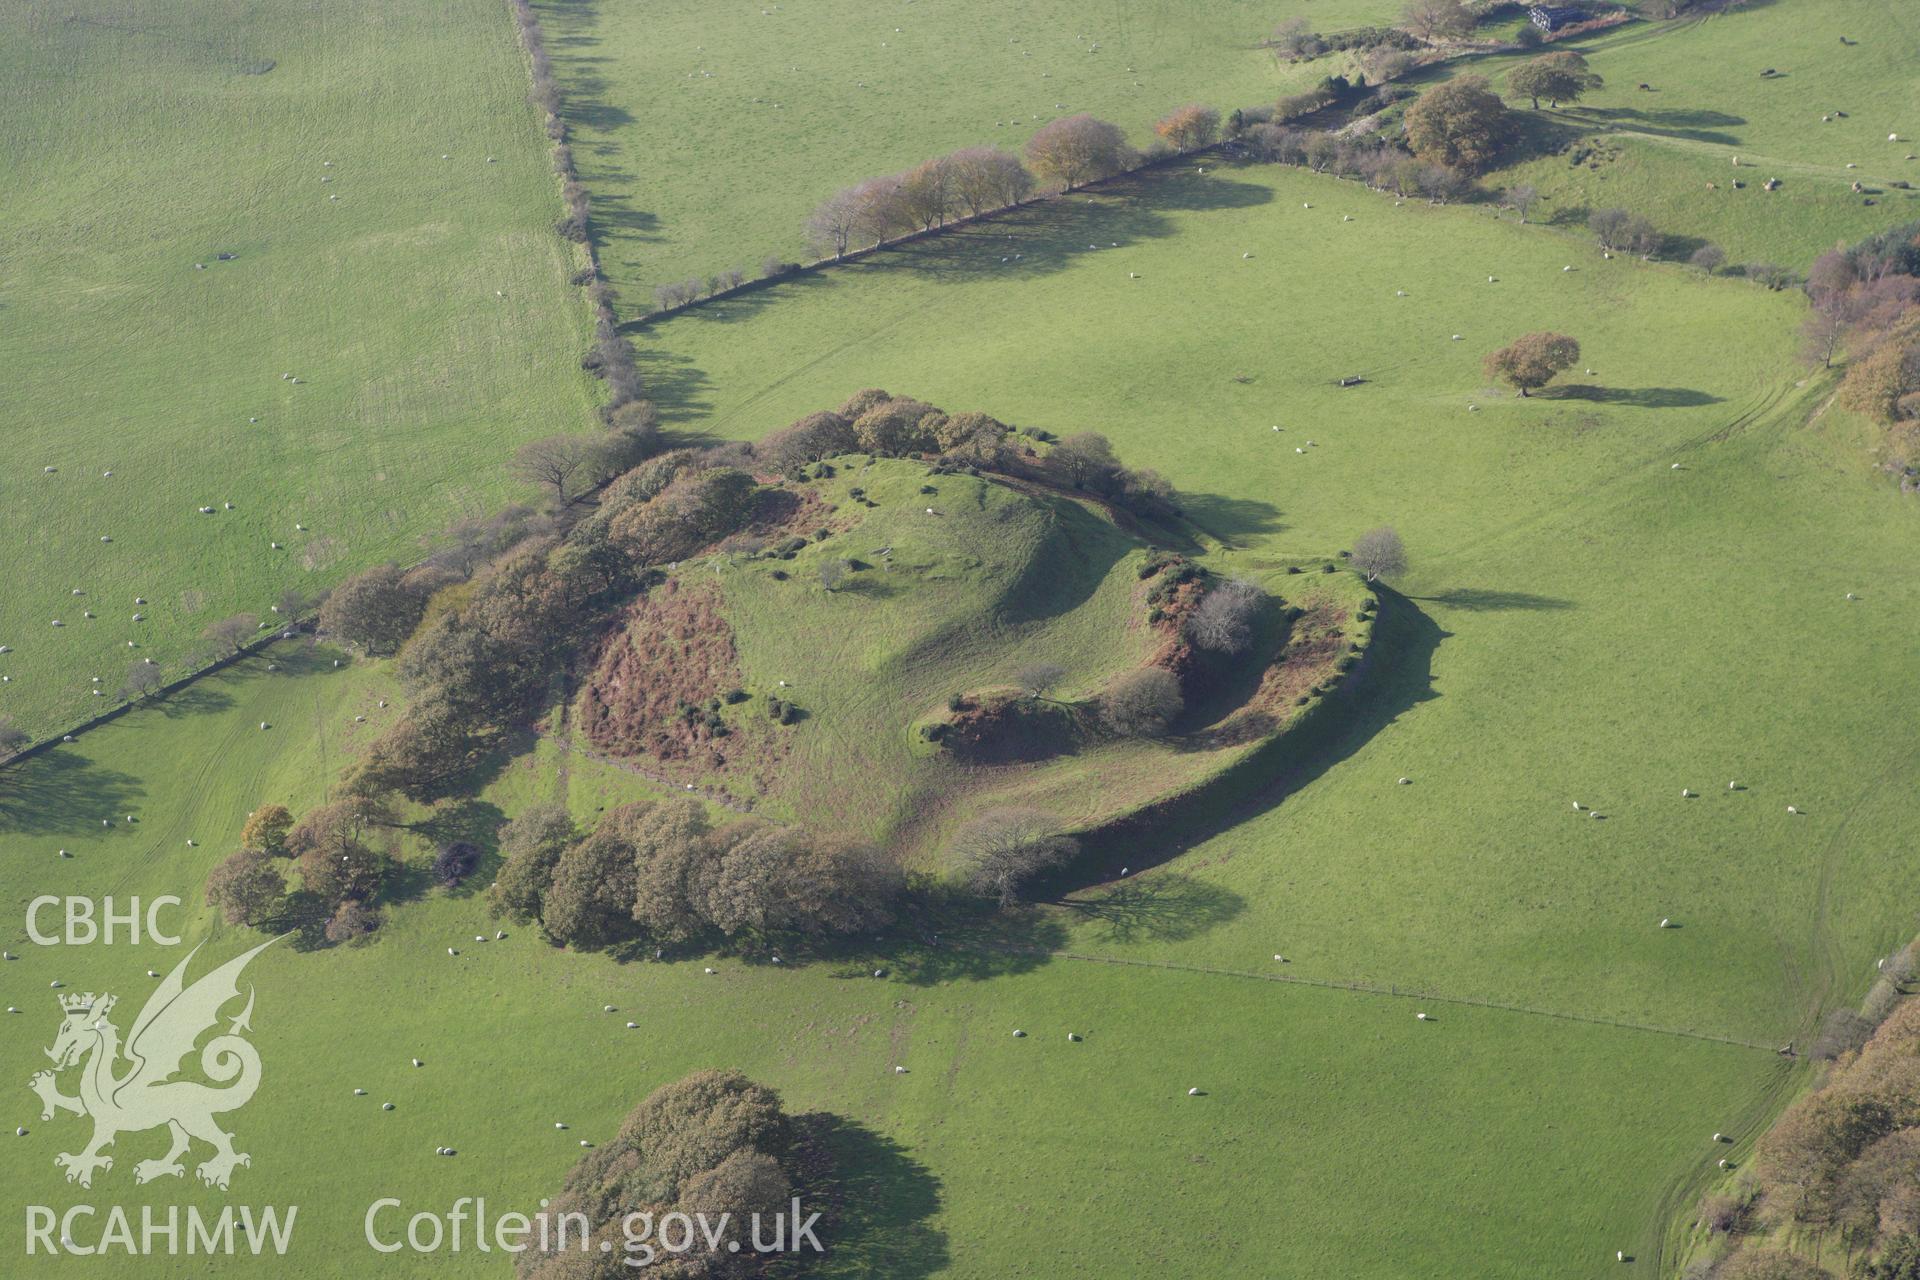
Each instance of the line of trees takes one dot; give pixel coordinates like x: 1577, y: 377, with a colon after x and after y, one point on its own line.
x: 662, y: 875
x: 611, y: 357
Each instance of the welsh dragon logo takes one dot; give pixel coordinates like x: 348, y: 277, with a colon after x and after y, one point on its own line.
x: 143, y: 1094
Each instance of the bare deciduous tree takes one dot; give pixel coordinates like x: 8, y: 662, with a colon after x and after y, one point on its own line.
x: 1037, y: 680
x: 143, y: 681
x: 1142, y: 703
x: 1379, y: 553
x: 1223, y: 620
x: 233, y: 632
x: 1077, y: 149
x: 555, y: 462
x: 986, y: 178
x: 1003, y: 849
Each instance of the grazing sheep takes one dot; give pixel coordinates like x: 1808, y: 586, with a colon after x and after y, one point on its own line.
x: 1791, y: 809
x: 1018, y: 1034
x: 1421, y: 1016
x: 418, y: 1063
x: 1725, y: 1163
x: 1665, y: 923
x: 1406, y: 782
x: 1073, y: 1037
x: 899, y: 1071
x: 1193, y: 1093
x: 386, y: 1106
x: 1733, y: 786
x: 1685, y: 794
x: 359, y: 1093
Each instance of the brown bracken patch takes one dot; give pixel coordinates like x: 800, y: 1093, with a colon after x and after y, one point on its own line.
x: 673, y: 651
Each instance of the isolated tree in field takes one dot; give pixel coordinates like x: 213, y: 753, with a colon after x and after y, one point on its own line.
x: 143, y: 681
x: 834, y: 222
x: 1533, y: 360
x: 556, y: 463
x: 1142, y: 703
x: 1379, y: 553
x: 983, y: 178
x: 1557, y: 77
x: 374, y: 610
x: 1077, y: 149
x: 1039, y: 679
x: 1461, y: 123
x: 1223, y: 620
x: 1190, y: 127
x: 833, y: 574
x: 1436, y: 20
x: 1520, y: 198
x: 1771, y: 274
x: 231, y: 633
x: 1003, y: 849
x: 267, y: 829
x: 12, y: 738
x: 246, y: 887
x: 1708, y: 257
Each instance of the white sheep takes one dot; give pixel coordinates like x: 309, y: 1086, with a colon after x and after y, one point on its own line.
x: 1193, y: 1093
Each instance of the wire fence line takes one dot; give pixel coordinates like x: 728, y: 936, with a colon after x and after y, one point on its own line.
x: 1395, y: 991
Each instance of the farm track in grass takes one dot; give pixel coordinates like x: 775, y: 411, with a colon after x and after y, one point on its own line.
x: 425, y: 313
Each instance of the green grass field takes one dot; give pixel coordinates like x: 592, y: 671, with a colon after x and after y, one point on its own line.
x: 708, y: 134
x: 1361, y: 1134
x: 1819, y: 125
x: 425, y: 312
x: 1634, y: 583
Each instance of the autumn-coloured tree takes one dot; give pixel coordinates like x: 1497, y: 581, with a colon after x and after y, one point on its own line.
x: 375, y: 610
x: 984, y: 178
x: 926, y: 192
x: 1077, y: 149
x: 1461, y: 123
x: 1557, y: 77
x: 1533, y: 360
x: 246, y: 888
x: 1190, y: 127
x: 1142, y: 703
x: 267, y: 828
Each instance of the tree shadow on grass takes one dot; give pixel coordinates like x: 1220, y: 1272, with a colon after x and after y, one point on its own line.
x: 1164, y: 907
x: 1637, y: 397
x: 1233, y: 521
x: 57, y: 790
x: 1482, y: 600
x: 971, y: 943
x: 1396, y: 677
x: 470, y: 821
x: 882, y: 1203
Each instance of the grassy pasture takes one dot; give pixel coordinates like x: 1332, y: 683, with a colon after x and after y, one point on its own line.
x: 1708, y: 104
x: 1365, y: 1138
x: 708, y: 132
x: 425, y: 311
x: 1585, y: 622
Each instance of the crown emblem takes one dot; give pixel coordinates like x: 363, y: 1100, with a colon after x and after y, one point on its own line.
x: 86, y: 1003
